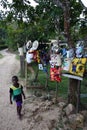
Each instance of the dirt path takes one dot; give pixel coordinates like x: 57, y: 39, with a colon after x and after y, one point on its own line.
x: 35, y: 117
x: 37, y: 114
x: 9, y: 66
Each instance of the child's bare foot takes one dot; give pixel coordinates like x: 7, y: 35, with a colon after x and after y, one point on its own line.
x: 20, y: 116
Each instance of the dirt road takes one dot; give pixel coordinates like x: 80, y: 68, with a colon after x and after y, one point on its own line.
x: 34, y: 117
x: 9, y: 66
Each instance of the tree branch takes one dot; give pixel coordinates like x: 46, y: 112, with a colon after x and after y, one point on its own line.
x: 58, y: 3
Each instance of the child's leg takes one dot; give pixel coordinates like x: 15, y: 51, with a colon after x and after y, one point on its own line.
x: 19, y: 108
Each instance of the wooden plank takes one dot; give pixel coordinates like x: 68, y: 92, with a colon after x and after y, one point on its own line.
x: 72, y: 76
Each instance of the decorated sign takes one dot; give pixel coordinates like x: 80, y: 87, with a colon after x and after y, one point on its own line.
x: 66, y: 64
x: 55, y: 74
x: 77, y: 66
x: 55, y: 60
x: 29, y: 57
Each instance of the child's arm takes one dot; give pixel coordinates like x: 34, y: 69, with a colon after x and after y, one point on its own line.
x: 11, y: 98
x: 11, y: 92
x: 23, y: 92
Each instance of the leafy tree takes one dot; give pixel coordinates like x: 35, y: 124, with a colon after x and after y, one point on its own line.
x: 47, y: 16
x: 16, y: 35
x: 62, y: 15
x: 46, y: 19
x: 70, y: 16
x: 3, y: 33
x: 18, y: 9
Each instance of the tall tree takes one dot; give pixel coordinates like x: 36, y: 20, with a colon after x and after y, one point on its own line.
x: 67, y: 7
x: 70, y: 10
x: 47, y: 16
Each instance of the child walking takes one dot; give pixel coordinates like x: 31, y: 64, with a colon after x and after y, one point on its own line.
x: 16, y: 93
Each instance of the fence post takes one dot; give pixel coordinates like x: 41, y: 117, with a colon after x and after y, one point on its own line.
x: 22, y: 61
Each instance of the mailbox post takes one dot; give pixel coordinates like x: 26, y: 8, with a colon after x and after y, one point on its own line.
x: 22, y: 61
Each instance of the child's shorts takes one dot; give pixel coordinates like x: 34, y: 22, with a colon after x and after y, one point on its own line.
x: 19, y: 103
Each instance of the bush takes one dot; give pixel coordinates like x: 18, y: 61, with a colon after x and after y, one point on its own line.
x: 3, y: 47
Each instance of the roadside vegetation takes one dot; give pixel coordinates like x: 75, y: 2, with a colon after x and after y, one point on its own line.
x: 1, y: 56
x: 62, y: 86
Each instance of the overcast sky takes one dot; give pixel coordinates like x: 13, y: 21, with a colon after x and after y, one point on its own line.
x: 32, y: 2
x: 84, y: 2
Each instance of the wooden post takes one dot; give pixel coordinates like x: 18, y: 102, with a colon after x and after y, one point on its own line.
x: 22, y: 61
x: 25, y: 73
x: 78, y: 96
x: 56, y: 91
x: 22, y: 65
x: 36, y: 76
x: 69, y: 92
x: 74, y: 90
x: 46, y: 84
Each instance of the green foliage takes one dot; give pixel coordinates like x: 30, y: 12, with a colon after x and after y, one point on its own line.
x: 75, y: 11
x: 19, y: 8
x: 83, y: 29
x: 41, y: 79
x: 3, y: 34
x: 47, y: 15
x: 1, y: 56
x: 3, y: 47
x: 16, y: 36
x: 62, y: 86
x: 42, y: 23
x: 84, y: 91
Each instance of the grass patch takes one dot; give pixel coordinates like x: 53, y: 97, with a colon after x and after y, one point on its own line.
x: 17, y: 57
x: 62, y: 87
x: 1, y: 56
x: 3, y: 47
x: 84, y: 90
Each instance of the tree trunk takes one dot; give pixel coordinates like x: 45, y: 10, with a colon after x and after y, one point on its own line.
x: 73, y: 83
x: 72, y: 92
x: 66, y: 11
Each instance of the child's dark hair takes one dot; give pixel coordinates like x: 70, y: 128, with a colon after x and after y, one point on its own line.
x: 15, y: 77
